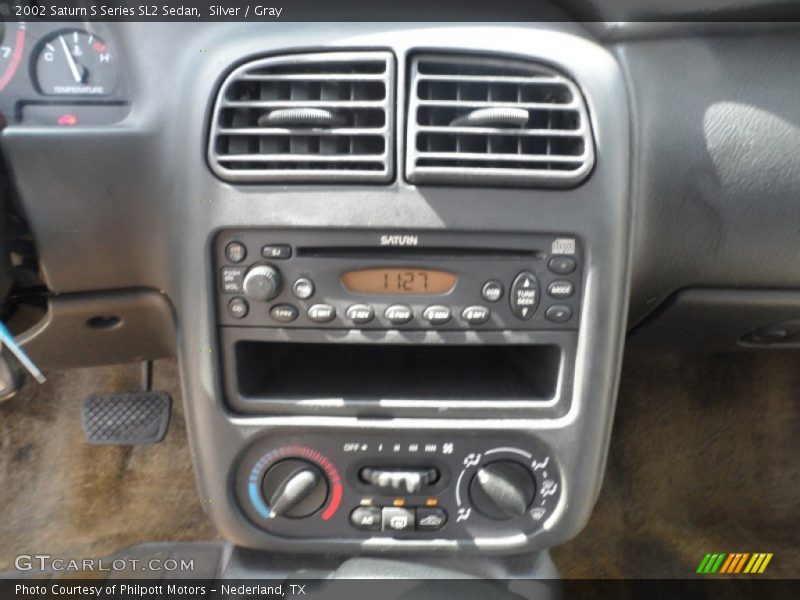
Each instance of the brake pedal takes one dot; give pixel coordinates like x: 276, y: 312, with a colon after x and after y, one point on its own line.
x: 127, y: 419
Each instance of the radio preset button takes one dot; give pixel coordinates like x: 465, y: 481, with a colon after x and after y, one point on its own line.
x: 524, y: 296
x: 561, y: 289
x: 360, y: 313
x: 398, y: 314
x: 232, y: 279
x: 280, y: 251
x: 476, y: 315
x: 437, y: 314
x: 303, y: 288
x: 562, y: 265
x: 366, y: 518
x: 283, y: 313
x: 492, y: 291
x: 431, y: 519
x: 322, y: 313
x: 235, y: 252
x: 558, y: 313
x: 238, y: 308
x: 398, y: 519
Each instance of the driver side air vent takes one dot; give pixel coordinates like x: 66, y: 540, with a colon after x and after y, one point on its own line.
x: 479, y: 120
x: 306, y: 118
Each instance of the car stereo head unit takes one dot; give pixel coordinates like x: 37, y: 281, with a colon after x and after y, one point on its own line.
x: 369, y: 280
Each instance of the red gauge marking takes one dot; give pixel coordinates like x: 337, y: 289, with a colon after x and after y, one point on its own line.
x: 327, y: 466
x: 67, y: 120
x: 336, y: 499
x: 16, y: 57
x: 99, y: 46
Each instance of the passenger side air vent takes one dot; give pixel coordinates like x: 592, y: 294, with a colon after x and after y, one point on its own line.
x: 306, y: 118
x: 478, y: 120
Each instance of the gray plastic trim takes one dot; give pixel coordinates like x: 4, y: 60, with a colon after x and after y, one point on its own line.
x: 486, y: 175
x: 142, y: 191
x: 263, y: 175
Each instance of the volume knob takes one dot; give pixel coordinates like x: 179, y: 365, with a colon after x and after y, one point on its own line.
x: 262, y: 283
x: 502, y: 490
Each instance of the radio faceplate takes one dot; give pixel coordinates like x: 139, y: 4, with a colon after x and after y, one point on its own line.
x: 381, y: 281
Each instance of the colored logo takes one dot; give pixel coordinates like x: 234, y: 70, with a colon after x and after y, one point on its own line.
x: 734, y: 563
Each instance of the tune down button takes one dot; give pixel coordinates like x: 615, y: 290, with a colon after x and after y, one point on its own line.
x: 398, y: 314
x: 322, y: 313
x: 524, y: 296
x: 360, y: 313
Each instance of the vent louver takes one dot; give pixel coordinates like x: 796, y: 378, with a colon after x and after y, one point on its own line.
x: 476, y: 120
x: 306, y: 118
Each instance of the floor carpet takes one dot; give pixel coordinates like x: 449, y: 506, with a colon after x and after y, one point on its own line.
x: 61, y: 496
x: 705, y: 457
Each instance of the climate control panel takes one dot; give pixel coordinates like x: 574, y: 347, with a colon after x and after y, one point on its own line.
x: 369, y: 280
x: 399, y: 487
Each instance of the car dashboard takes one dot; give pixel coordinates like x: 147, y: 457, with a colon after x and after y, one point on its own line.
x: 398, y: 262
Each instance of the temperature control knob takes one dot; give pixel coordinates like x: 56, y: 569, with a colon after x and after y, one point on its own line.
x: 262, y: 283
x: 502, y: 490
x: 294, y: 488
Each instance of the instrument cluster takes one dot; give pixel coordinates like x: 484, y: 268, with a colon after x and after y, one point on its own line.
x: 61, y: 74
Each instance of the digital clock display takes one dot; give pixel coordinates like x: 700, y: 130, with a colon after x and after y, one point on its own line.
x: 399, y: 281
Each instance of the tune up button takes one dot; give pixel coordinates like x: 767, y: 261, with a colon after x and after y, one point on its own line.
x: 524, y: 296
x: 398, y: 314
x: 560, y: 289
x: 476, y: 315
x: 366, y: 518
x: 492, y: 291
x: 322, y: 313
x: 284, y: 313
x: 360, y: 313
x: 437, y: 314
x: 303, y: 288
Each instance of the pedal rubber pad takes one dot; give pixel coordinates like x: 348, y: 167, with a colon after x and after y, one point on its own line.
x: 129, y: 419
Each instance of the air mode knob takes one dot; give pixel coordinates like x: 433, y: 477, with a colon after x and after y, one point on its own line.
x: 262, y: 283
x: 502, y: 490
x: 294, y: 488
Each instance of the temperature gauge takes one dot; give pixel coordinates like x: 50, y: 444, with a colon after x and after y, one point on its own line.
x: 76, y: 63
x: 12, y: 45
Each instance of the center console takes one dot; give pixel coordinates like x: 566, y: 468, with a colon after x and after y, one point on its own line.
x: 382, y: 325
x: 406, y: 332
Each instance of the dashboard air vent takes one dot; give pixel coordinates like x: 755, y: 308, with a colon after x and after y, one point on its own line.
x: 306, y: 118
x: 478, y: 120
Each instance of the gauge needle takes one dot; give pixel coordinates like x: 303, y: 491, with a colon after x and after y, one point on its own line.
x: 72, y: 65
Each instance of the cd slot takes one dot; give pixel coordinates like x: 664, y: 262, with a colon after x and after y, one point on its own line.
x: 400, y: 253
